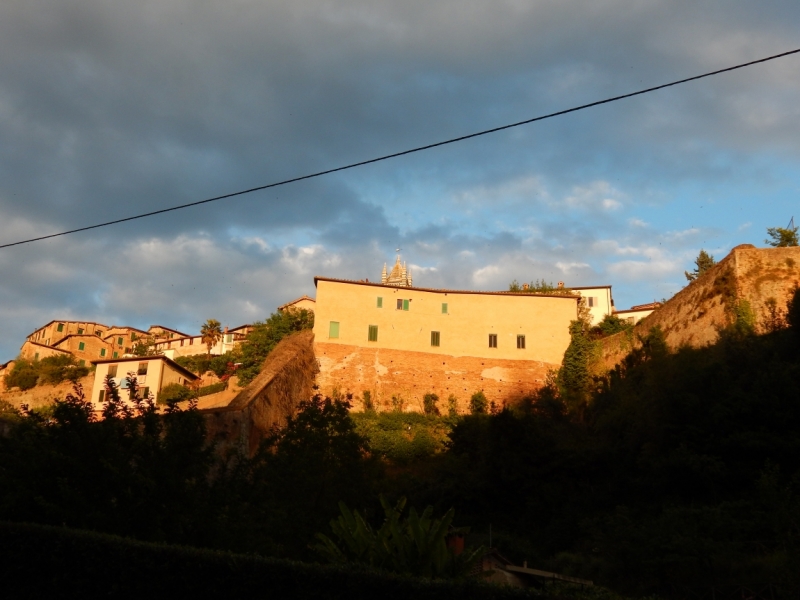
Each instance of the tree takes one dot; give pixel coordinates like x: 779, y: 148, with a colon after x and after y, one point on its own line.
x: 211, y: 333
x: 264, y: 336
x: 478, y: 403
x: 429, y: 404
x: 703, y: 262
x: 782, y: 237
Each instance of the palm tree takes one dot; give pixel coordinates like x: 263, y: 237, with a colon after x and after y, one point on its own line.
x: 211, y: 333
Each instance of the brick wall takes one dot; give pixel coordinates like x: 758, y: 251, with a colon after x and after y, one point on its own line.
x: 694, y: 315
x: 386, y: 372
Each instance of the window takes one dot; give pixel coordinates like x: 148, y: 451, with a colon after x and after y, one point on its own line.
x: 521, y: 342
x: 102, y: 352
x: 142, y: 370
x: 405, y: 304
x: 99, y: 333
x: 81, y: 346
x: 380, y: 302
x: 112, y: 370
x: 333, y: 330
x: 133, y: 337
x: 36, y: 356
x: 60, y: 327
x: 80, y: 331
x: 591, y: 301
x: 116, y: 354
x: 81, y: 363
x: 399, y: 304
x: 372, y: 336
x: 228, y: 338
x: 444, y: 308
x: 492, y: 340
x: 434, y: 338
x: 102, y: 396
x: 119, y: 341
x: 145, y: 392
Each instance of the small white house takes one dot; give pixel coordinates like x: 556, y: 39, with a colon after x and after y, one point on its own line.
x: 153, y: 373
x: 599, y: 300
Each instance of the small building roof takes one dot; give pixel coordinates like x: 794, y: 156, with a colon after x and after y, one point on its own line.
x: 287, y: 305
x: 72, y: 335
x: 169, y: 361
x: 65, y: 321
x: 48, y: 347
x: 443, y: 291
x: 170, y: 329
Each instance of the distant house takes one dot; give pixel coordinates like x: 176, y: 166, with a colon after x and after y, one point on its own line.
x: 165, y: 333
x: 598, y: 299
x: 190, y: 345
x: 153, y: 373
x: 54, y: 331
x: 36, y: 351
x: 301, y: 303
x: 636, y: 313
x: 85, y: 347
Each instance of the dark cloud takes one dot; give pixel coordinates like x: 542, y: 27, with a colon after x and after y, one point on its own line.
x: 108, y: 110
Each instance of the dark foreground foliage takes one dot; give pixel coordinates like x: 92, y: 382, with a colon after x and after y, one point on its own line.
x: 42, y: 561
x: 680, y: 468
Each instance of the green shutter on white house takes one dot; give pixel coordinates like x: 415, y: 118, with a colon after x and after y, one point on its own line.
x: 434, y: 338
x: 405, y: 304
x: 373, y: 333
x: 444, y: 308
x: 380, y: 302
x: 333, y: 331
x: 81, y: 346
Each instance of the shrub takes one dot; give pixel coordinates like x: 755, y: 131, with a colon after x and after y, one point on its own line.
x: 429, y: 404
x: 478, y: 403
x: 52, y: 370
x: 63, y: 367
x: 452, y: 405
x: 174, y: 392
x: 366, y: 399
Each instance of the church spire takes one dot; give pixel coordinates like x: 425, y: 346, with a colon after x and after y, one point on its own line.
x: 399, y: 276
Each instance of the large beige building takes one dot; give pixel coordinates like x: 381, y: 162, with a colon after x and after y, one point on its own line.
x: 398, y: 342
x: 497, y: 325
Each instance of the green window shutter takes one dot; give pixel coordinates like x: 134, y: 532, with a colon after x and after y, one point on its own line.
x: 80, y: 331
x: 102, y: 396
x: 434, y: 338
x: 333, y: 331
x: 444, y: 308
x: 82, y: 362
x: 380, y: 302
x: 116, y: 354
x: 81, y: 346
x: 521, y: 342
x: 60, y: 327
x: 373, y: 333
x: 102, y: 351
x: 405, y: 304
x: 119, y: 341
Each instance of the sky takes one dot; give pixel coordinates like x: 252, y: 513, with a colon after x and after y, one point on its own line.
x: 110, y: 109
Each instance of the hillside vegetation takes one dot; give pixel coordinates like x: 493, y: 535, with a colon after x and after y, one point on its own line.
x: 680, y: 467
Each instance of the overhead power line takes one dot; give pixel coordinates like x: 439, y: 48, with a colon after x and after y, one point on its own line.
x: 403, y: 152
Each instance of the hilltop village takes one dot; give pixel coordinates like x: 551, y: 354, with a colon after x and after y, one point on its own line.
x: 393, y: 342
x: 388, y: 338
